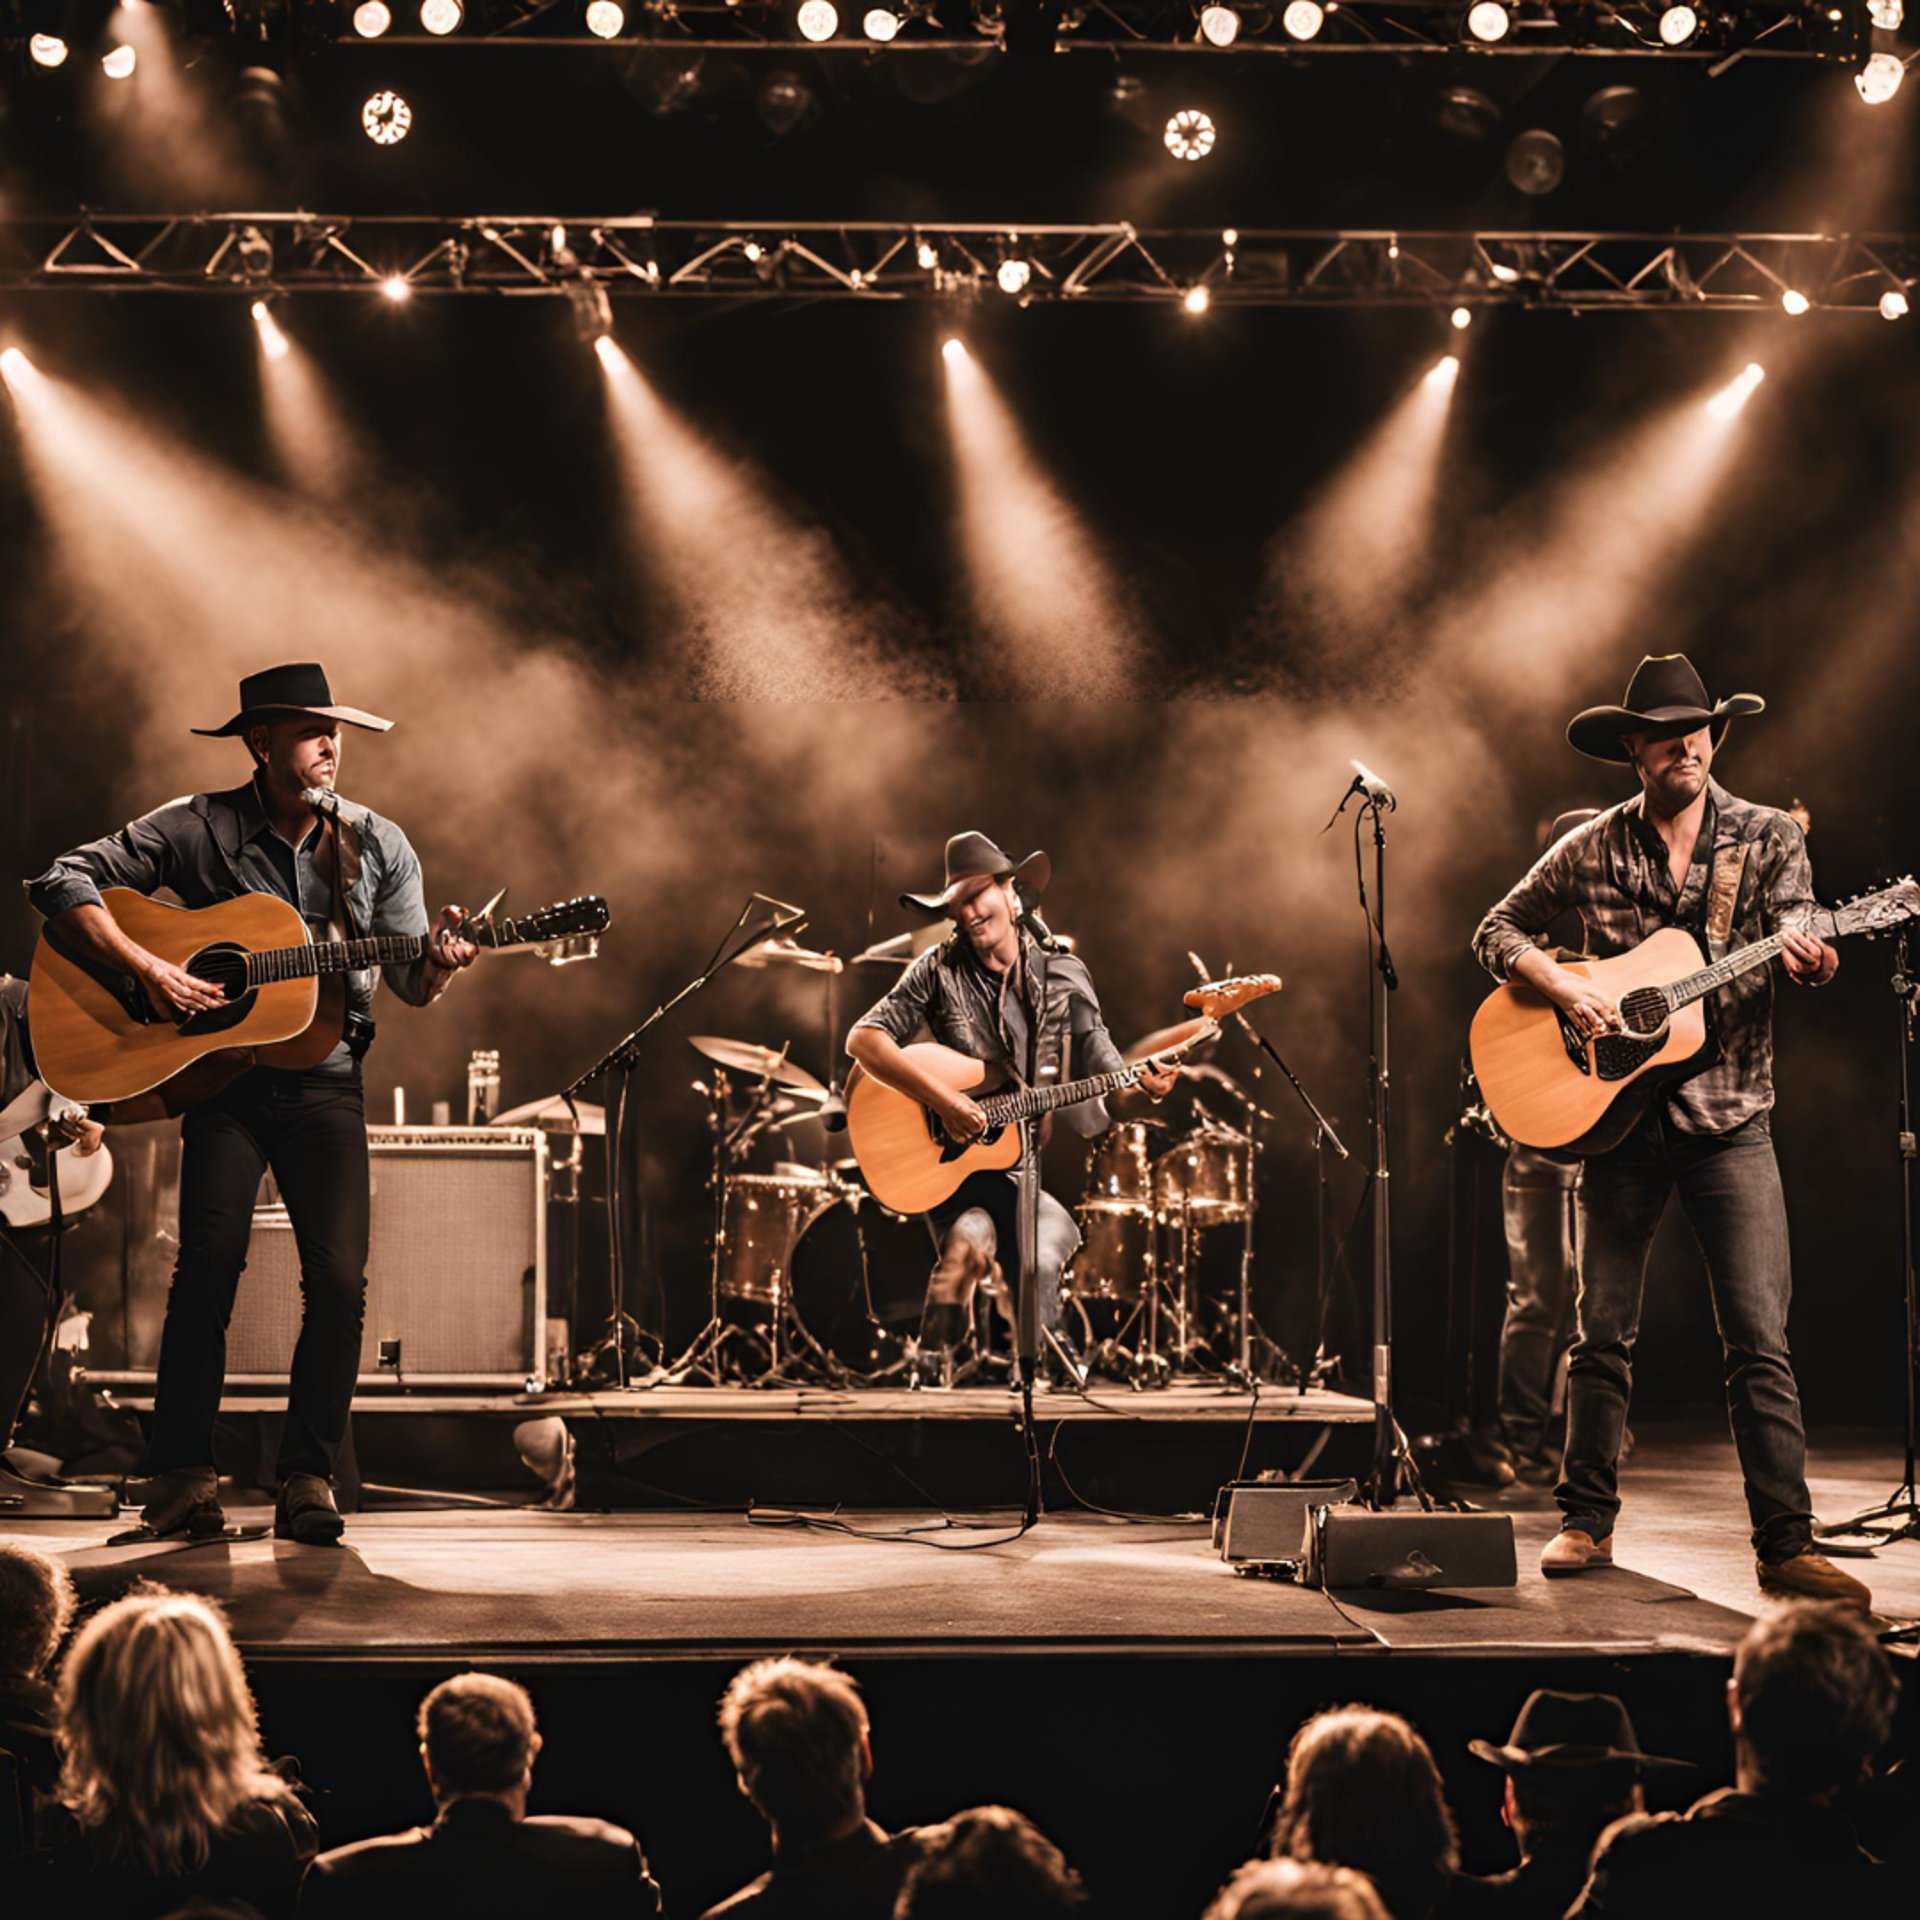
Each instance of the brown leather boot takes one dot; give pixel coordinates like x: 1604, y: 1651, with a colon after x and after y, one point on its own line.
x: 1812, y: 1576
x: 184, y: 1500
x: 1571, y: 1551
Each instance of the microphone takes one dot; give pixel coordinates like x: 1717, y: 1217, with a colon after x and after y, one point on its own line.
x: 1030, y: 918
x: 1366, y: 781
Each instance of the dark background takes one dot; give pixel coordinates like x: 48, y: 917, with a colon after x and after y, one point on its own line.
x: 485, y: 585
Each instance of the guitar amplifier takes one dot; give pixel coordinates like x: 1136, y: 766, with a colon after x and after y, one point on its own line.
x: 1355, y: 1547
x: 456, y: 1274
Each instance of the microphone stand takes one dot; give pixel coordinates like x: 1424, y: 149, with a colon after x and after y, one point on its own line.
x: 1898, y: 1517
x: 624, y: 1056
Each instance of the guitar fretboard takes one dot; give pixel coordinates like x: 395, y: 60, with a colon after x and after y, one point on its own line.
x: 1696, y: 986
x: 1003, y: 1109
x: 334, y: 956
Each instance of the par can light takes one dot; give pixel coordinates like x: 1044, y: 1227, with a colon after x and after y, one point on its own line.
x: 372, y: 18
x: 1488, y: 21
x: 1893, y: 304
x: 606, y: 19
x: 1219, y: 26
x: 817, y: 19
x: 1879, y: 80
x: 1678, y: 25
x: 386, y: 119
x: 1190, y: 134
x: 881, y: 23
x: 119, y: 63
x: 1303, y: 19
x: 441, y: 16
x: 47, y: 50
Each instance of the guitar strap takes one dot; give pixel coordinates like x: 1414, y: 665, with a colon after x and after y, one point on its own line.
x: 345, y: 837
x: 1723, y: 894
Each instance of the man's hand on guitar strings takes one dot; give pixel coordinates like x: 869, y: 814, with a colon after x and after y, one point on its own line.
x: 1809, y: 962
x: 962, y: 1118
x: 176, y: 994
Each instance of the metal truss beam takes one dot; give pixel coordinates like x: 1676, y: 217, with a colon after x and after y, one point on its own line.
x: 635, y: 257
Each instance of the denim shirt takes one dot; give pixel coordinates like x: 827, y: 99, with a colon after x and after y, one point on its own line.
x: 217, y: 846
x: 967, y: 1006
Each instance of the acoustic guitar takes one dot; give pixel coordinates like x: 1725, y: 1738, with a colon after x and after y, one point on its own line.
x: 1549, y: 1085
x: 97, y: 1038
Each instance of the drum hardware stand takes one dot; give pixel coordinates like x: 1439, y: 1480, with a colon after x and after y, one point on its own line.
x: 773, y: 918
x: 1898, y: 1516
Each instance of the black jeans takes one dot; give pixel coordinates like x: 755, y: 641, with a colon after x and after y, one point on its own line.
x: 1538, y: 1205
x: 1729, y: 1185
x: 311, y: 1129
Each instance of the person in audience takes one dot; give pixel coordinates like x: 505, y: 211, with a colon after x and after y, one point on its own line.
x: 36, y: 1608
x: 165, y: 1794
x: 797, y: 1734
x: 1296, y: 1890
x: 1362, y: 1791
x: 988, y: 1863
x: 1574, y: 1766
x: 1811, y: 1702
x: 484, y: 1855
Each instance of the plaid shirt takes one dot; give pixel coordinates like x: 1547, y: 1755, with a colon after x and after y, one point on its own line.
x: 1615, y: 874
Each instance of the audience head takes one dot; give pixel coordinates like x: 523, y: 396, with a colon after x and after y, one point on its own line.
x: 1573, y: 1765
x: 159, y: 1738
x: 988, y: 1863
x: 36, y: 1608
x: 1297, y: 1890
x: 478, y: 1738
x: 796, y: 1732
x: 1362, y: 1791
x: 1811, y: 1701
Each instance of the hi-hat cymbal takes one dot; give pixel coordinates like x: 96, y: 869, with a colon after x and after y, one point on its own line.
x: 785, y: 952
x: 767, y: 1063
x: 552, y: 1114
x: 1161, y: 1038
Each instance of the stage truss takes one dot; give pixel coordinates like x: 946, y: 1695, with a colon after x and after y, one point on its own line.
x: 594, y: 262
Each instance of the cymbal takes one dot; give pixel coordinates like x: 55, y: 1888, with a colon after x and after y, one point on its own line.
x: 787, y: 952
x: 902, y: 947
x: 763, y: 1062
x: 1161, y: 1038
x: 551, y: 1113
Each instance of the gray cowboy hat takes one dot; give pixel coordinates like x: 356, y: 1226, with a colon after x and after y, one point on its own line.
x: 1665, y: 693
x: 299, y: 688
x: 971, y: 855
x: 1564, y: 1733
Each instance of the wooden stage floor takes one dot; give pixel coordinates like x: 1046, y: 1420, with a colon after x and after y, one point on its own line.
x: 578, y: 1586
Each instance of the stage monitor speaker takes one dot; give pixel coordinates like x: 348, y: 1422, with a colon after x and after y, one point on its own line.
x: 1356, y: 1547
x: 456, y: 1274
x: 1260, y: 1524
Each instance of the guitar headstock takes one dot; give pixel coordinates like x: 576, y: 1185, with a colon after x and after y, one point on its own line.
x: 565, y: 920
x: 1218, y: 998
x: 1893, y: 906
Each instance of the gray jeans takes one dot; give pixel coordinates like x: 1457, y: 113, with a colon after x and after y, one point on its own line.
x: 985, y: 1210
x: 1729, y: 1185
x: 1538, y: 1202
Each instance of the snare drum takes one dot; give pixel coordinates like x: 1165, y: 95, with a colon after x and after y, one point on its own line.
x: 765, y: 1214
x: 1120, y: 1170
x: 1205, y: 1176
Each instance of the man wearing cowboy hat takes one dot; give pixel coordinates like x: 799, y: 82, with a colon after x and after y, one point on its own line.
x: 1682, y: 852
x: 309, y: 1128
x: 1574, y: 1766
x: 977, y: 993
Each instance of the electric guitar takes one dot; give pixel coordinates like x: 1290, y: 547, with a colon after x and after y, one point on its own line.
x: 909, y: 1159
x: 1549, y: 1085
x: 97, y: 1038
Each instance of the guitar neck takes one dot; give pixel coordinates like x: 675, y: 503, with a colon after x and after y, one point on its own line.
x: 334, y: 956
x: 1005, y: 1108
x: 1696, y: 986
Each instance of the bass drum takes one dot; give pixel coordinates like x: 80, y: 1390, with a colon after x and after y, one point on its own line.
x: 860, y: 1283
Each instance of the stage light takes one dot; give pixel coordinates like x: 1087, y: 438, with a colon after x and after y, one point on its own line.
x: 1488, y: 21
x: 273, y: 343
x: 1014, y: 275
x: 817, y: 19
x: 1737, y: 392
x: 1197, y: 298
x: 1229, y: 237
x: 120, y: 63
x: 754, y: 251
x: 441, y: 16
x: 1442, y: 373
x: 1190, y: 134
x: 254, y: 251
x: 14, y: 365
x: 48, y: 50
x: 927, y: 255
x: 397, y: 288
x: 1461, y: 319
x: 1219, y: 26
x: 386, y: 119
x: 606, y: 19
x: 1893, y: 304
x: 880, y: 23
x: 953, y: 348
x: 1303, y: 19
x: 371, y: 18
x: 1887, y: 15
x: 1793, y: 301
x: 1678, y: 25
x: 1879, y: 80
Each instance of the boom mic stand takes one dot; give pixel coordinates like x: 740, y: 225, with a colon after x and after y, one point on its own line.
x: 778, y: 917
x: 1898, y: 1517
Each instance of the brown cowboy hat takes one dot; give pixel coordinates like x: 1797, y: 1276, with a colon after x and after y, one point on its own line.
x: 1564, y: 1733
x: 299, y: 688
x: 1665, y: 693
x: 972, y: 855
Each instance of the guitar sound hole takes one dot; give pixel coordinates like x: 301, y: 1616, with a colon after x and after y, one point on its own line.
x: 1644, y: 1010
x: 225, y: 967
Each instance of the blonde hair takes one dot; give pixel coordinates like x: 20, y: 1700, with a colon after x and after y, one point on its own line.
x: 159, y: 1736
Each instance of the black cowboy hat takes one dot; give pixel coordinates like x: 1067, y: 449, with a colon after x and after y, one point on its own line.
x: 1562, y: 1733
x: 971, y: 855
x: 1664, y: 693
x: 299, y: 688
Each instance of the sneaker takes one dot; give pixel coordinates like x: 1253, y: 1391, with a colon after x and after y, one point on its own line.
x: 1812, y: 1576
